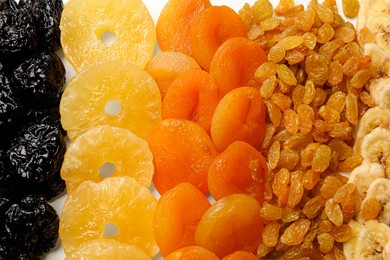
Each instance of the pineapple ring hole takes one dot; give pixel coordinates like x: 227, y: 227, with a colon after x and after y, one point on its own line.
x: 108, y: 38
x: 107, y: 170
x: 113, y: 108
x: 110, y: 230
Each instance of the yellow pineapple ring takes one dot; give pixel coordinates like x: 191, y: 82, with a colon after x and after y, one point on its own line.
x: 111, y: 93
x: 86, y: 23
x: 118, y: 208
x: 106, y: 151
x: 107, y: 249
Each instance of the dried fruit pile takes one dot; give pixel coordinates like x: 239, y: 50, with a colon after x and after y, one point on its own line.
x: 290, y: 84
x: 32, y: 146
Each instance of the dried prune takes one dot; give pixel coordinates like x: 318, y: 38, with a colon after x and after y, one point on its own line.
x: 32, y: 224
x: 47, y: 16
x: 11, y: 108
x: 40, y: 80
x: 17, y: 34
x: 49, y: 116
x: 36, y: 156
x: 8, y: 251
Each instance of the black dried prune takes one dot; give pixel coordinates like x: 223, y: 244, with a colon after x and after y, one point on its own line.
x: 5, y: 174
x: 14, y: 252
x: 47, y: 17
x: 32, y: 224
x: 40, y: 80
x: 49, y: 116
x: 11, y: 109
x: 36, y: 156
x: 18, y: 36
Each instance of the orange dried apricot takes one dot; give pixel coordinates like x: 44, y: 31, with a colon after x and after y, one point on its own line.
x: 177, y: 214
x: 231, y: 224
x: 118, y: 208
x: 235, y: 63
x: 111, y: 93
x: 182, y: 151
x: 86, y: 23
x: 106, y: 151
x: 174, y: 24
x: 239, y: 116
x: 192, y: 253
x: 240, y: 168
x: 192, y: 96
x: 240, y: 255
x: 210, y: 29
x: 165, y: 66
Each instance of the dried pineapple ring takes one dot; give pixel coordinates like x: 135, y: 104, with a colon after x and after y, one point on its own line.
x: 108, y: 249
x: 111, y: 93
x: 118, y: 208
x: 86, y: 23
x: 106, y: 151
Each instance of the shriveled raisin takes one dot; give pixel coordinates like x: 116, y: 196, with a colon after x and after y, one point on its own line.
x: 270, y: 234
x: 294, y: 234
x: 333, y: 212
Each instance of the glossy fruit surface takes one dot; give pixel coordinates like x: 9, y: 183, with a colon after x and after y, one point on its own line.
x: 107, y: 249
x: 240, y: 168
x: 113, y: 93
x: 85, y: 24
x: 231, y: 224
x: 182, y: 152
x: 177, y: 214
x: 118, y: 208
x: 192, y: 253
x: 106, y: 151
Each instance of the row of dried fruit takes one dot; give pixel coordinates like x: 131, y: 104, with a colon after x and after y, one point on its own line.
x: 32, y: 147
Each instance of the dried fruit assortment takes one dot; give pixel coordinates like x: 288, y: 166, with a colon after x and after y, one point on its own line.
x: 32, y: 145
x: 258, y: 108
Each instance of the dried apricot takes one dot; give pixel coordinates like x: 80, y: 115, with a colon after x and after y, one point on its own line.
x: 231, y: 224
x: 182, y: 151
x: 239, y: 116
x: 240, y: 168
x: 192, y: 96
x: 210, y: 29
x: 192, y: 253
x: 174, y: 24
x: 177, y: 214
x: 235, y: 63
x: 166, y: 66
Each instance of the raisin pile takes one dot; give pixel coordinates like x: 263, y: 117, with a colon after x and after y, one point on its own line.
x: 32, y: 146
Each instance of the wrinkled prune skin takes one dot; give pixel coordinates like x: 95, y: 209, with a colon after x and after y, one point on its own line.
x: 47, y: 17
x: 18, y: 35
x: 11, y: 108
x: 5, y: 174
x: 36, y: 156
x: 49, y: 116
x: 40, y: 80
x: 32, y: 224
x: 9, y: 251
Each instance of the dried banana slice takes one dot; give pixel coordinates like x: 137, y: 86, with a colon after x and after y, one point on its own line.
x: 373, y: 118
x: 365, y: 174
x: 380, y: 92
x: 380, y: 60
x: 379, y: 190
x: 375, y: 15
x: 373, y: 242
x: 376, y: 147
x: 349, y: 246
